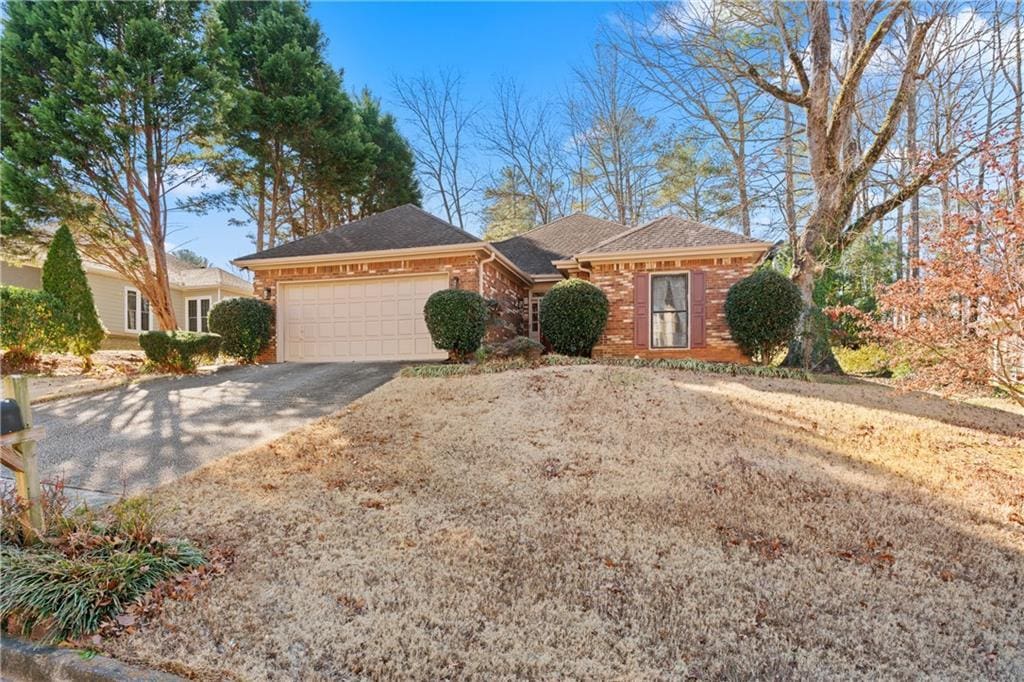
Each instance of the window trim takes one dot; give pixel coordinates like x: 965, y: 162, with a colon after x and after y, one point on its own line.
x: 650, y: 310
x: 137, y: 311
x: 533, y: 317
x: 199, y: 311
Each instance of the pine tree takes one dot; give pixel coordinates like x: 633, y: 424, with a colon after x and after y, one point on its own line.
x: 509, y: 211
x: 64, y: 278
x: 392, y: 182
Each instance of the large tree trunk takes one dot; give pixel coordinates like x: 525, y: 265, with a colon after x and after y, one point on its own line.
x: 811, y: 348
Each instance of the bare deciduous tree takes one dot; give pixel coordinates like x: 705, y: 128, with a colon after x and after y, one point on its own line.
x: 617, y: 142
x: 682, y: 69
x: 528, y: 140
x: 442, y: 121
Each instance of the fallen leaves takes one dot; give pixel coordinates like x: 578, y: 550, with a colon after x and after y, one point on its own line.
x: 182, y: 587
x: 874, y: 553
x: 768, y: 548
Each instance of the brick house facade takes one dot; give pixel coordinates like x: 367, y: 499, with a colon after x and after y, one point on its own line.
x: 619, y: 282
x: 407, y: 249
x: 462, y: 270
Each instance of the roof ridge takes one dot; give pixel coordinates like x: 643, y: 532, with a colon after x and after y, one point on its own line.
x: 628, y: 232
x: 709, y: 226
x: 428, y: 213
x: 559, y: 219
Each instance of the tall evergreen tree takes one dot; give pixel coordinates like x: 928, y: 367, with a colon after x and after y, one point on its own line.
x: 296, y: 153
x: 392, y: 180
x: 64, y: 278
x: 103, y: 107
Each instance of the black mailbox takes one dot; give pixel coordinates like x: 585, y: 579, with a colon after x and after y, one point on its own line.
x: 10, y: 417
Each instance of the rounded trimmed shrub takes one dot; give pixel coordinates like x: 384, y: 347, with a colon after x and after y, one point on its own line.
x: 457, y: 320
x: 244, y: 326
x: 32, y: 324
x: 179, y: 351
x: 572, y: 316
x: 762, y: 311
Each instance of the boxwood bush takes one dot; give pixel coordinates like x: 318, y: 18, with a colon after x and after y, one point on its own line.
x: 244, y: 325
x: 762, y: 311
x: 179, y: 351
x: 32, y: 324
x: 572, y: 316
x: 457, y: 320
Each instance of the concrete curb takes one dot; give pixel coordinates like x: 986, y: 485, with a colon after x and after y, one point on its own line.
x: 32, y: 662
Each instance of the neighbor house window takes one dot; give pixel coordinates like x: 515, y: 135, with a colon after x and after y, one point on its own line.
x: 198, y: 314
x: 670, y: 311
x: 137, y: 315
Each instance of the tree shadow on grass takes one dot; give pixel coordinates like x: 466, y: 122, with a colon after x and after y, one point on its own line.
x: 912, y: 403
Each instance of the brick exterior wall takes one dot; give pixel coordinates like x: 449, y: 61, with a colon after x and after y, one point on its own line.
x: 499, y: 284
x: 616, y: 279
x: 464, y: 267
x: 511, y: 293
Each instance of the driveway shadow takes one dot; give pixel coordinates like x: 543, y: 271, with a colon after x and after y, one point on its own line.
x: 140, y: 436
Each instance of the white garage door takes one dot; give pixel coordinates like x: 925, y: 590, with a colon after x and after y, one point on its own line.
x: 372, y: 319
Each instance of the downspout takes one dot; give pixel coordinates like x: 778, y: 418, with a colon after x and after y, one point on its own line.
x: 579, y: 266
x: 480, y: 267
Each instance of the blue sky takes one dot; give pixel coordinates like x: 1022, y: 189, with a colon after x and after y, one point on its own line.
x: 536, y: 43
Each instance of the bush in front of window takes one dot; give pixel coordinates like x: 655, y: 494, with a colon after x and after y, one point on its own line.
x: 762, y: 311
x: 573, y: 315
x: 244, y: 325
x: 178, y: 351
x: 64, y: 278
x: 32, y: 324
x: 456, y: 320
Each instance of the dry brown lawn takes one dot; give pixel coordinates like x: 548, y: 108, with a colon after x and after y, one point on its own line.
x: 602, y: 522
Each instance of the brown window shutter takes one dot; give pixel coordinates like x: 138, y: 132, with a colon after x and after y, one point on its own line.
x: 641, y: 310
x: 697, y: 307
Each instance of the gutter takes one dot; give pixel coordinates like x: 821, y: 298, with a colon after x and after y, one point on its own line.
x: 480, y: 269
x: 381, y: 255
x: 753, y: 248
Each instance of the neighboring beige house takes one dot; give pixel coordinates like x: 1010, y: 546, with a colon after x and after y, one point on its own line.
x: 125, y: 312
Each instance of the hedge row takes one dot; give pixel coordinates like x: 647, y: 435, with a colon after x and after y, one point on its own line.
x: 179, y: 351
x: 728, y: 368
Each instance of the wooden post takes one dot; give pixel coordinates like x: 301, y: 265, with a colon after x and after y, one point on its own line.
x: 26, y: 481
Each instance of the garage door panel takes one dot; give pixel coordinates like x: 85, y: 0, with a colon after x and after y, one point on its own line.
x: 362, y: 320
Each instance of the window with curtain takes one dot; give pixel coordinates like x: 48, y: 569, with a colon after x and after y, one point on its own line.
x: 670, y: 298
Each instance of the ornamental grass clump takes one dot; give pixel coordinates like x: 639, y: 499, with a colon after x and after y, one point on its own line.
x: 86, y: 569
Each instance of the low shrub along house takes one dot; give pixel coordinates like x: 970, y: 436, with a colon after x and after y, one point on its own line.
x: 357, y: 292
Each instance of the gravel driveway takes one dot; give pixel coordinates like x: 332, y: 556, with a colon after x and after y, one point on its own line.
x: 144, y: 435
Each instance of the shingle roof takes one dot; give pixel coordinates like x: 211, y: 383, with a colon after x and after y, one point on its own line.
x: 210, y: 277
x: 402, y: 227
x: 670, y: 232
x: 180, y: 273
x: 560, y: 239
